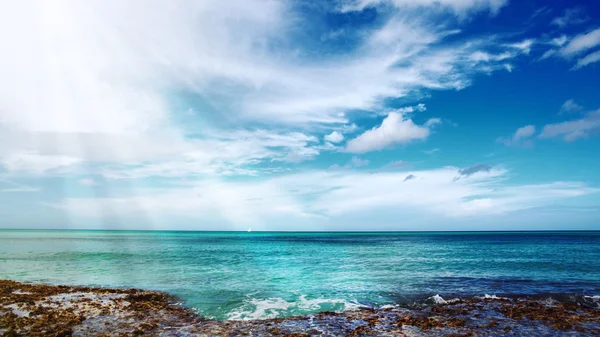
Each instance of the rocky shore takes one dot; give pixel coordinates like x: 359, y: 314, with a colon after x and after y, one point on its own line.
x: 45, y: 310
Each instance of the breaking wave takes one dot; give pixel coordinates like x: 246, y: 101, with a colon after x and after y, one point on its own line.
x: 276, y: 307
x: 279, y: 307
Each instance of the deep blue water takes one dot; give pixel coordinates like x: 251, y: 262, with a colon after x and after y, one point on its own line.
x: 227, y: 275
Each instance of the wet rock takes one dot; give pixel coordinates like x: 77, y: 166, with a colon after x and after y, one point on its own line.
x: 43, y: 310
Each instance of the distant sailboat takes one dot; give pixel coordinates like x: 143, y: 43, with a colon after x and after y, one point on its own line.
x: 249, y: 230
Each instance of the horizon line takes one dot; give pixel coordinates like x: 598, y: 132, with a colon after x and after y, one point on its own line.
x: 300, y: 231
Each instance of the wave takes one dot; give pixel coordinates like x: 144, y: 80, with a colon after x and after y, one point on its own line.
x: 278, y: 307
x: 437, y: 299
x: 490, y: 297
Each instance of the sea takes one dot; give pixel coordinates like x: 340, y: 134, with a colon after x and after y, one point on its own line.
x: 240, y: 275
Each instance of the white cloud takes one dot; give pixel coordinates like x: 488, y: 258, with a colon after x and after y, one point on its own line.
x: 20, y: 189
x: 406, y: 110
x: 570, y: 106
x: 395, y: 66
x: 572, y: 16
x: 460, y: 7
x: 523, y: 46
x: 524, y: 132
x: 573, y: 47
x: 569, y: 131
x: 11, y: 186
x: 208, y: 89
x: 304, y: 197
x: 574, y: 129
x: 93, y: 81
x: 581, y: 43
x: 549, y: 53
x: 234, y: 152
x: 395, y: 129
x: 213, y: 200
x: 432, y: 122
x: 215, y: 152
x: 88, y: 182
x: 35, y: 163
x: 588, y: 59
x: 560, y: 41
x: 96, y: 147
x: 357, y: 162
x: 96, y: 82
x: 334, y: 137
x: 481, y: 56
x: 397, y: 164
x: 521, y: 137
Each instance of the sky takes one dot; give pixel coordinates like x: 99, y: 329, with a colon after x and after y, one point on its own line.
x: 349, y: 115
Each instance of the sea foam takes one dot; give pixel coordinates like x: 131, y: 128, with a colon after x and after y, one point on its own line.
x: 279, y: 307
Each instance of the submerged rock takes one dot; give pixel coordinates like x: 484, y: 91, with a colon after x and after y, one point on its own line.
x: 44, y: 310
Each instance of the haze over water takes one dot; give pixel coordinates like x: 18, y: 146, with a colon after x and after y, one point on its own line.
x: 233, y: 275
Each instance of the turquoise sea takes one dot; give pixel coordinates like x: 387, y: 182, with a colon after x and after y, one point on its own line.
x: 234, y: 275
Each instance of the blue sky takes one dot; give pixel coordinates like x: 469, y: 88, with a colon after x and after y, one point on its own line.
x: 300, y: 115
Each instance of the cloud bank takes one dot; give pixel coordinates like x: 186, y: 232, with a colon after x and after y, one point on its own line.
x: 221, y: 110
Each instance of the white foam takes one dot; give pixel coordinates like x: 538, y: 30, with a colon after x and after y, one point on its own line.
x: 491, y: 297
x: 437, y: 299
x: 268, y: 308
x: 277, y: 307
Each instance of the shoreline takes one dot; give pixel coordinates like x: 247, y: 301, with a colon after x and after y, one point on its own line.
x: 53, y: 310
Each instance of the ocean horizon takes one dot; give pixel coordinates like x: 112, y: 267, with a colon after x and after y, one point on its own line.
x: 296, y: 231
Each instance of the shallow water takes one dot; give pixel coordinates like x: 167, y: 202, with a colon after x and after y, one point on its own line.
x: 259, y: 275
